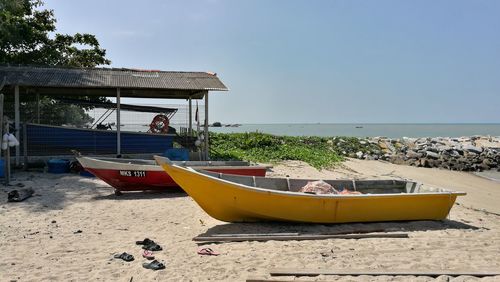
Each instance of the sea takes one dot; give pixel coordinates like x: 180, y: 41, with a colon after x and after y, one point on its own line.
x: 390, y: 130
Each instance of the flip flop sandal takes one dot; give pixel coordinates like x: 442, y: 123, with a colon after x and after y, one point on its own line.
x: 146, y: 241
x: 148, y: 255
x: 208, y: 252
x: 152, y: 247
x: 154, y: 265
x: 124, y: 256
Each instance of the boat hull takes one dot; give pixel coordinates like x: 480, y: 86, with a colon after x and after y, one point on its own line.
x: 141, y: 177
x: 232, y: 202
x: 155, y: 180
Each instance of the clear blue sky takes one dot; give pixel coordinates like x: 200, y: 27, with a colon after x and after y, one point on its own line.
x: 313, y: 61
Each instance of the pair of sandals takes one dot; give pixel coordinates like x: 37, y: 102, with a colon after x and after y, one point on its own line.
x: 149, y: 245
x: 154, y: 265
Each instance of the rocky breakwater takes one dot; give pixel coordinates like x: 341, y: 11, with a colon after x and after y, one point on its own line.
x: 475, y: 153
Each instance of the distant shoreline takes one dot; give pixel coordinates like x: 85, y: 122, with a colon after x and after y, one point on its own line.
x: 390, y: 130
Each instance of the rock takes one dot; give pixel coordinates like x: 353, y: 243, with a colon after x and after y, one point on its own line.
x: 431, y: 154
x: 413, y: 154
x: 432, y: 149
x: 484, y: 166
x: 488, y: 162
x: 443, y: 148
x: 433, y: 163
x: 359, y: 155
x: 473, y: 149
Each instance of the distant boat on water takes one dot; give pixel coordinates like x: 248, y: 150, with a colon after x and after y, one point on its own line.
x: 359, y: 126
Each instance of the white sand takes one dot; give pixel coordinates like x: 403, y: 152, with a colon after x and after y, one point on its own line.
x: 38, y: 243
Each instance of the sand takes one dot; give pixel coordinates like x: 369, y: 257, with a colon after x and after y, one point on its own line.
x: 39, y: 238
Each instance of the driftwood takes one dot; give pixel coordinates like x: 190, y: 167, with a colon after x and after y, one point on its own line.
x: 357, y: 272
x: 253, y: 234
x: 265, y: 237
x: 19, y: 195
x: 273, y: 280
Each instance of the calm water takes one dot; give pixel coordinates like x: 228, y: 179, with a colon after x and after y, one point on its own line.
x: 490, y: 174
x: 368, y: 130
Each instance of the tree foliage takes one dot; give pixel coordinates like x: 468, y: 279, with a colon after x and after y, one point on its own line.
x: 28, y: 37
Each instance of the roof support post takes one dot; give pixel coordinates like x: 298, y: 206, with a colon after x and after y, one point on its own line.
x: 190, y: 131
x: 206, y: 127
x: 38, y: 108
x: 17, y: 121
x: 118, y: 124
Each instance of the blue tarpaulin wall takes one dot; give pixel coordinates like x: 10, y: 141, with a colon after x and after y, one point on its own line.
x: 45, y: 140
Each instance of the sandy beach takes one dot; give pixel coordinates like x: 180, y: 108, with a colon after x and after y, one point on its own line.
x: 72, y: 226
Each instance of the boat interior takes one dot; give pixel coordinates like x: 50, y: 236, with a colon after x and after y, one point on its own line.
x: 179, y: 163
x: 362, y: 186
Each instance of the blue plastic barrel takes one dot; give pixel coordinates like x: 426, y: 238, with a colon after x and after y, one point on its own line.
x: 2, y: 165
x: 58, y: 166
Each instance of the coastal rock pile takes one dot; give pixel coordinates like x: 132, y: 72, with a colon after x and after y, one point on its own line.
x: 475, y: 153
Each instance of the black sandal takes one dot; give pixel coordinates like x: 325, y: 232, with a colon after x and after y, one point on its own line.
x: 146, y: 241
x: 124, y: 256
x: 154, y: 265
x: 152, y: 247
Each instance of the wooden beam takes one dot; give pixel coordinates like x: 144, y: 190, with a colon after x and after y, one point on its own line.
x: 254, y: 234
x: 25, y: 146
x: 118, y: 124
x: 274, y: 280
x: 1, y: 134
x: 17, y: 122
x: 190, y: 127
x: 357, y: 272
x: 295, y: 237
x: 38, y: 108
x: 125, y: 92
x: 207, y: 157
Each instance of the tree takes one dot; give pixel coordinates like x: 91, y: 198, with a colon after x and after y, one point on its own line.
x: 28, y: 37
x: 25, y: 38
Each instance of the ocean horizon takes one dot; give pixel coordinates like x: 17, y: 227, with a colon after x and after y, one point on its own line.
x: 390, y: 130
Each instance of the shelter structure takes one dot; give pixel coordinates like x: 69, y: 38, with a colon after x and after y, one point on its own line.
x: 109, y: 82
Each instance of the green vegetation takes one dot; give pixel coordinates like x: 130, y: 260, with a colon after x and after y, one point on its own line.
x: 320, y: 152
x: 28, y: 36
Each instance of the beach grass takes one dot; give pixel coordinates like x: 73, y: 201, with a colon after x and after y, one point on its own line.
x: 319, y: 152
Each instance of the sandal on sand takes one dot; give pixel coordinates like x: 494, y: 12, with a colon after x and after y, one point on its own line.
x: 154, y: 265
x: 208, y: 252
x: 148, y: 255
x: 146, y: 241
x: 124, y: 256
x: 152, y: 247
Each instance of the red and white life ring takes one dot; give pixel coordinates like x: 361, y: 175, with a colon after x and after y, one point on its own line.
x: 159, y: 124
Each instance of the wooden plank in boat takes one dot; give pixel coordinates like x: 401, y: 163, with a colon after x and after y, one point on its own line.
x: 357, y: 272
x: 295, y: 237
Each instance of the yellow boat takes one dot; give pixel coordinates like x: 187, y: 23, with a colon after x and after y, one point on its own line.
x: 233, y: 198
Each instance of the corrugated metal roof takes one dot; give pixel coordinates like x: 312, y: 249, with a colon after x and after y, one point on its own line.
x: 110, y: 78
